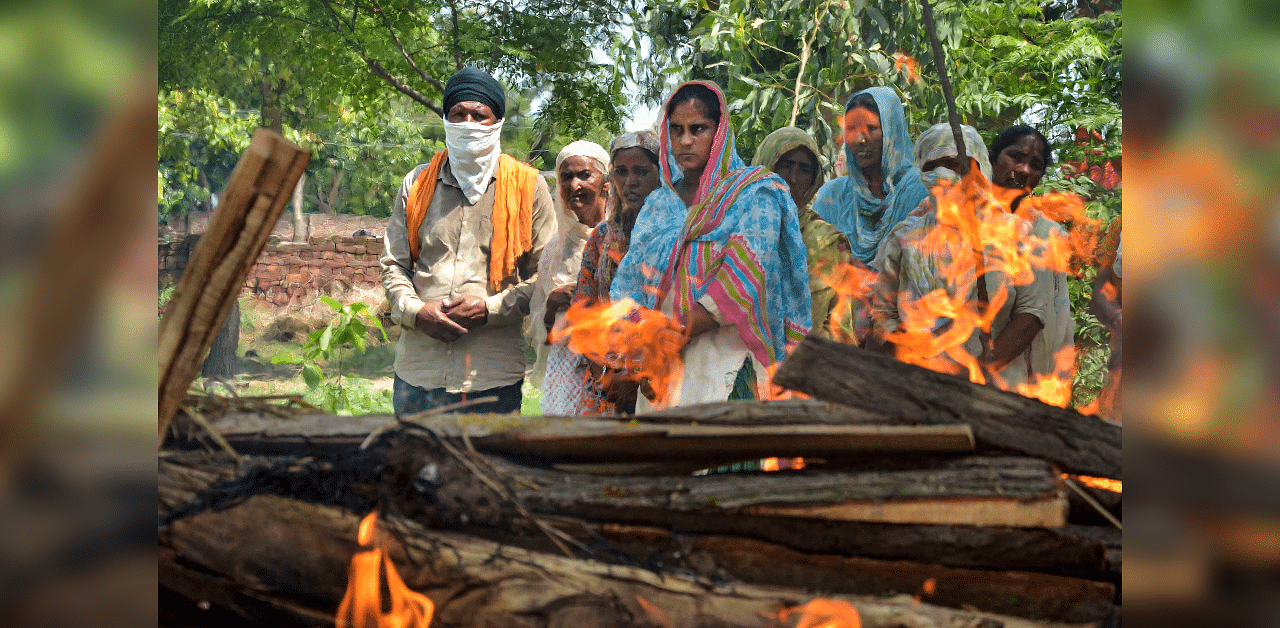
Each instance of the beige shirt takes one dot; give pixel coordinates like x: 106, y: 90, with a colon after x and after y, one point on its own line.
x: 907, y: 273
x: 453, y: 261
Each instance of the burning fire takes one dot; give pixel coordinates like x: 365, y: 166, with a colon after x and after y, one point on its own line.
x: 1054, y: 390
x: 779, y: 464
x: 908, y: 66
x: 822, y: 613
x: 1102, y: 483
x: 975, y: 235
x: 363, y: 605
x: 638, y: 343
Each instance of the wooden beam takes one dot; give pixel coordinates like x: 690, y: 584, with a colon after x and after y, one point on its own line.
x: 688, y: 445
x: 255, y: 196
x: 1076, y: 443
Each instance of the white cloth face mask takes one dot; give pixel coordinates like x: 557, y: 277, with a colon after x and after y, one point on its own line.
x: 473, y: 155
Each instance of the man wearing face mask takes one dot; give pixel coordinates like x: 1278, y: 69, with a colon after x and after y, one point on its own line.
x: 462, y: 251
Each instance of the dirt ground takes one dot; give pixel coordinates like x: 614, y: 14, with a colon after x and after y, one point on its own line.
x: 321, y: 224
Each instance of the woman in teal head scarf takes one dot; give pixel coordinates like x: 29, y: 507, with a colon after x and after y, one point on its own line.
x: 883, y: 184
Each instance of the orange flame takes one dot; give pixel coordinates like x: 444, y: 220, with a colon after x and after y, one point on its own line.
x: 639, y: 343
x: 822, y: 613
x: 362, y: 605
x: 779, y: 464
x: 658, y: 616
x: 853, y: 285
x: 1102, y: 483
x: 976, y: 235
x: 908, y: 66
x: 1054, y: 389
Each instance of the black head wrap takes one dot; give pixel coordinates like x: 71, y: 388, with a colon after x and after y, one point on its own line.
x: 477, y: 85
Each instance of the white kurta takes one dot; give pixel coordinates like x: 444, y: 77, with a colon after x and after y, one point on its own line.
x: 709, y: 365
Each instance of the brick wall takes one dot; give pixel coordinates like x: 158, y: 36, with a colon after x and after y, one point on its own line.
x: 293, y: 274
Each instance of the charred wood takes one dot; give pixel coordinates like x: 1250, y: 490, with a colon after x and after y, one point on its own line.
x: 877, y: 383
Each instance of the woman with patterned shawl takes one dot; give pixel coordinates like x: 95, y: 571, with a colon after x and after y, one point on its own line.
x: 883, y: 184
x: 718, y: 248
x: 791, y: 153
x: 633, y: 175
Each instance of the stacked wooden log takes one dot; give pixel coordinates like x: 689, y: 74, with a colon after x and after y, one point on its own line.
x: 924, y: 500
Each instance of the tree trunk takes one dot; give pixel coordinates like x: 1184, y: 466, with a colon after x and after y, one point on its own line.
x: 300, y: 231
x: 221, y: 361
x: 1076, y: 443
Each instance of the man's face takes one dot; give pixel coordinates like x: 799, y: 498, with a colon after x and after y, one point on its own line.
x: 472, y: 111
x: 582, y: 188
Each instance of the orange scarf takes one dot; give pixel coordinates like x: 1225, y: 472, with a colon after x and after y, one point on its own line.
x: 512, y: 213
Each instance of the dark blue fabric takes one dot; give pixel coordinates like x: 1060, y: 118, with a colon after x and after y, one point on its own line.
x: 477, y: 85
x: 409, y: 399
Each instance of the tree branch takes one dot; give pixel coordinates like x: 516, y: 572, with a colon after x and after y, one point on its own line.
x: 378, y: 70
x: 952, y: 116
x: 383, y: 74
x: 396, y: 38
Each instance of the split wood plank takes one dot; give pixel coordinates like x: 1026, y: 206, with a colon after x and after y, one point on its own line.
x: 255, y: 196
x: 1016, y: 492
x: 1076, y: 443
x: 1049, y: 511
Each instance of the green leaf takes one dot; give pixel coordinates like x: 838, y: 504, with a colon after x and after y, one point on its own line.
x: 312, y: 375
x: 326, y: 340
x: 331, y: 302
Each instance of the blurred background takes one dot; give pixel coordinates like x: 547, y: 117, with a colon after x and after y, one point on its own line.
x: 77, y: 276
x: 78, y: 362
x: 1201, y: 384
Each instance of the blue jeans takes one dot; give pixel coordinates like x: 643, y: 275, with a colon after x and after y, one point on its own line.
x: 409, y: 399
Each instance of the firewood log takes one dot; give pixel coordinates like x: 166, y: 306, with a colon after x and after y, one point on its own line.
x: 847, y: 375
x: 255, y: 196
x: 276, y: 561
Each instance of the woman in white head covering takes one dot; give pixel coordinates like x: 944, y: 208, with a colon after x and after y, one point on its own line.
x: 581, y: 171
x: 914, y: 262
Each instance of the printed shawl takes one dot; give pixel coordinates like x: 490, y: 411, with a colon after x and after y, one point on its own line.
x: 738, y: 243
x: 847, y: 202
x: 512, y: 213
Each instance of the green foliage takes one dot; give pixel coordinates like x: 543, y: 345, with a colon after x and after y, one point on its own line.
x: 348, y: 330
x: 165, y: 295
x: 309, y: 58
x: 794, y: 62
x: 358, y: 396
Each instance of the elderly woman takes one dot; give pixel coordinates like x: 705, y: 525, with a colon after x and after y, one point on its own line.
x: 581, y: 168
x: 911, y: 268
x: 791, y: 153
x: 1019, y: 156
x: 718, y: 248
x: 634, y: 174
x: 883, y: 184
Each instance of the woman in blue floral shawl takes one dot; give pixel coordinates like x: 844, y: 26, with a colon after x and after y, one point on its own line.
x: 718, y: 248
x: 883, y: 184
